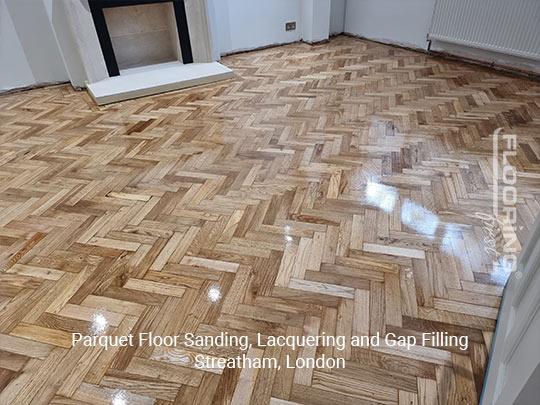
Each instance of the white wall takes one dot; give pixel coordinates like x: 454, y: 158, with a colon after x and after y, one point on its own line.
x: 337, y: 16
x: 29, y: 54
x: 403, y: 22
x: 239, y: 25
x: 315, y: 20
x: 14, y: 68
x: 248, y: 24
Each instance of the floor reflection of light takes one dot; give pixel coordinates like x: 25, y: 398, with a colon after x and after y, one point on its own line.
x: 418, y: 218
x: 382, y: 196
x: 99, y: 324
x: 288, y: 238
x: 450, y: 245
x: 214, y: 294
x: 451, y: 233
x: 501, y: 270
x: 119, y: 398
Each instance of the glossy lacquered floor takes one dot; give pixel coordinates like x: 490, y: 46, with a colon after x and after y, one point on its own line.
x: 326, y: 190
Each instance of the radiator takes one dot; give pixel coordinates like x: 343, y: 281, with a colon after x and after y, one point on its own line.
x: 507, y: 26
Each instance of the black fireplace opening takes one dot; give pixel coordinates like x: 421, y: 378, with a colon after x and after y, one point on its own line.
x: 96, y: 9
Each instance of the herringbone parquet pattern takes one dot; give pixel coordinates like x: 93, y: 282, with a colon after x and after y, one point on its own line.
x: 327, y: 189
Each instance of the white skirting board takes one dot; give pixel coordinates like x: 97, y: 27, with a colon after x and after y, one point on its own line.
x: 149, y: 80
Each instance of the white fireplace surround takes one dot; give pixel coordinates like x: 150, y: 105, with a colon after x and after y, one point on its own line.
x: 81, y: 51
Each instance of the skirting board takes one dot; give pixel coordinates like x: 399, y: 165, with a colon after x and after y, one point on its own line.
x: 140, y: 82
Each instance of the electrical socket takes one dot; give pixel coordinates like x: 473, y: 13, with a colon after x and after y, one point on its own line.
x: 290, y: 26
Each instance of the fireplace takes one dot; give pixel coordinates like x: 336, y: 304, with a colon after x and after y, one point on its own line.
x: 134, y: 33
x: 124, y: 49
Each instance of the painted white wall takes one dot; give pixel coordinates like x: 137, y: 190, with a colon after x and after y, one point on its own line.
x: 14, y: 68
x: 393, y: 21
x: 239, y: 25
x: 29, y: 54
x: 307, y: 20
x: 247, y: 24
x: 315, y: 20
x: 337, y: 16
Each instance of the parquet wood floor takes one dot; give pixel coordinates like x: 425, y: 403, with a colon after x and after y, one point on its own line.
x: 327, y: 189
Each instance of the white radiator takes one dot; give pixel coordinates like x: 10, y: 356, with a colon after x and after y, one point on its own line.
x: 506, y: 26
